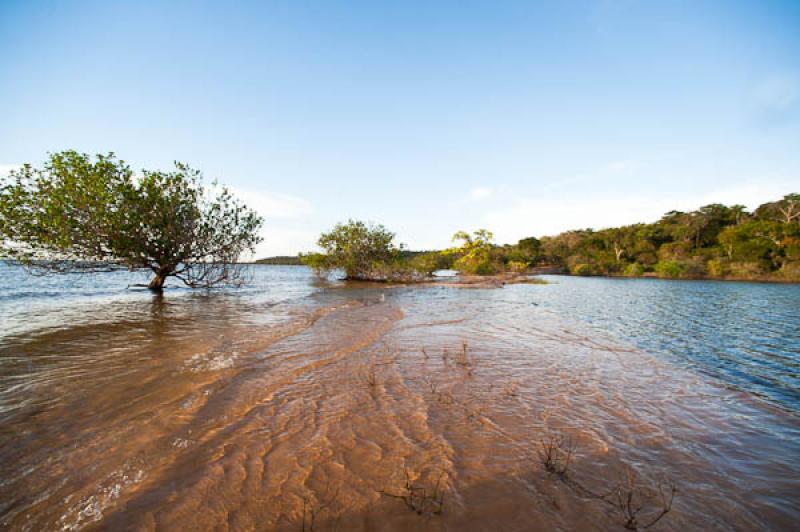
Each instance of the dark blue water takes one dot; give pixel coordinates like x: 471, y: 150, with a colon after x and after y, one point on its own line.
x: 746, y: 335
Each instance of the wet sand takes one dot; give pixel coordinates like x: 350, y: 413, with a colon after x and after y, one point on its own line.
x: 328, y: 418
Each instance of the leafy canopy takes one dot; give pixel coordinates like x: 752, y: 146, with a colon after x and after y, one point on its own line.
x: 475, y: 252
x: 715, y: 240
x: 358, y: 248
x: 367, y: 252
x: 79, y: 214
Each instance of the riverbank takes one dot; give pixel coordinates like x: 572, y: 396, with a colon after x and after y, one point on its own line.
x: 653, y: 275
x: 341, y: 410
x: 484, y: 281
x: 453, y: 281
x: 530, y: 276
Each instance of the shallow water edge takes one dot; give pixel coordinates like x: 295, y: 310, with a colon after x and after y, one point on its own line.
x: 334, y: 408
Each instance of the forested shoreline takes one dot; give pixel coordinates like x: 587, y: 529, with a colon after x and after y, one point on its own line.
x: 713, y: 242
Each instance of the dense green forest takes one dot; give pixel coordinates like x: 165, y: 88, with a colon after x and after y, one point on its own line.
x: 715, y: 241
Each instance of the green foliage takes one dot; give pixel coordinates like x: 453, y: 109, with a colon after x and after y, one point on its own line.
x: 582, y: 268
x: 362, y: 250
x: 79, y: 213
x: 426, y: 263
x: 527, y: 250
x: 718, y: 267
x: 281, y: 260
x: 634, y: 269
x: 318, y: 262
x: 716, y: 240
x: 517, y: 266
x: 761, y: 240
x: 671, y: 269
x: 475, y: 255
x: 747, y: 270
x: 786, y: 210
x: 367, y: 252
x: 790, y: 271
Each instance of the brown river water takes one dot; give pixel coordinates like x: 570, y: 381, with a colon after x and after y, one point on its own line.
x: 329, y: 411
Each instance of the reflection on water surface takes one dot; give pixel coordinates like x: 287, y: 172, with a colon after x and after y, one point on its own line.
x: 263, y: 408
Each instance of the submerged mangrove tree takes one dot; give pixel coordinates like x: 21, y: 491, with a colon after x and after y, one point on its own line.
x: 82, y: 214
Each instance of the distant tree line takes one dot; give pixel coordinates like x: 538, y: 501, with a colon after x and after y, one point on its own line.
x: 281, y: 260
x: 78, y: 213
x: 715, y: 241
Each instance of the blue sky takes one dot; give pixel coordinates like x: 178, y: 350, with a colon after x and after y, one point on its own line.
x: 526, y: 118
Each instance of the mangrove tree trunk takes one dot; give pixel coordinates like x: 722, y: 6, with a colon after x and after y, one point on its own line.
x: 157, y: 282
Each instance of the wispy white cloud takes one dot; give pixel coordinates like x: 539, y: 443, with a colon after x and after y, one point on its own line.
x: 273, y: 205
x: 283, y: 239
x: 282, y: 213
x: 479, y: 193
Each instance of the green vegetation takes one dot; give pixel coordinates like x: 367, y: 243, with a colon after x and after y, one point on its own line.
x: 84, y: 214
x: 715, y: 241
x: 367, y: 252
x: 476, y: 255
x: 282, y: 260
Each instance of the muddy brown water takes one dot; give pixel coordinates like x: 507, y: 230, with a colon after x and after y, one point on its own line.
x: 329, y: 415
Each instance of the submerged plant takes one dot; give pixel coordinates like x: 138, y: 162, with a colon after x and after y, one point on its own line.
x: 634, y: 499
x: 370, y: 375
x: 463, y: 359
x: 511, y: 390
x: 443, y: 397
x: 640, y: 504
x: 421, y: 499
x: 556, y: 453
